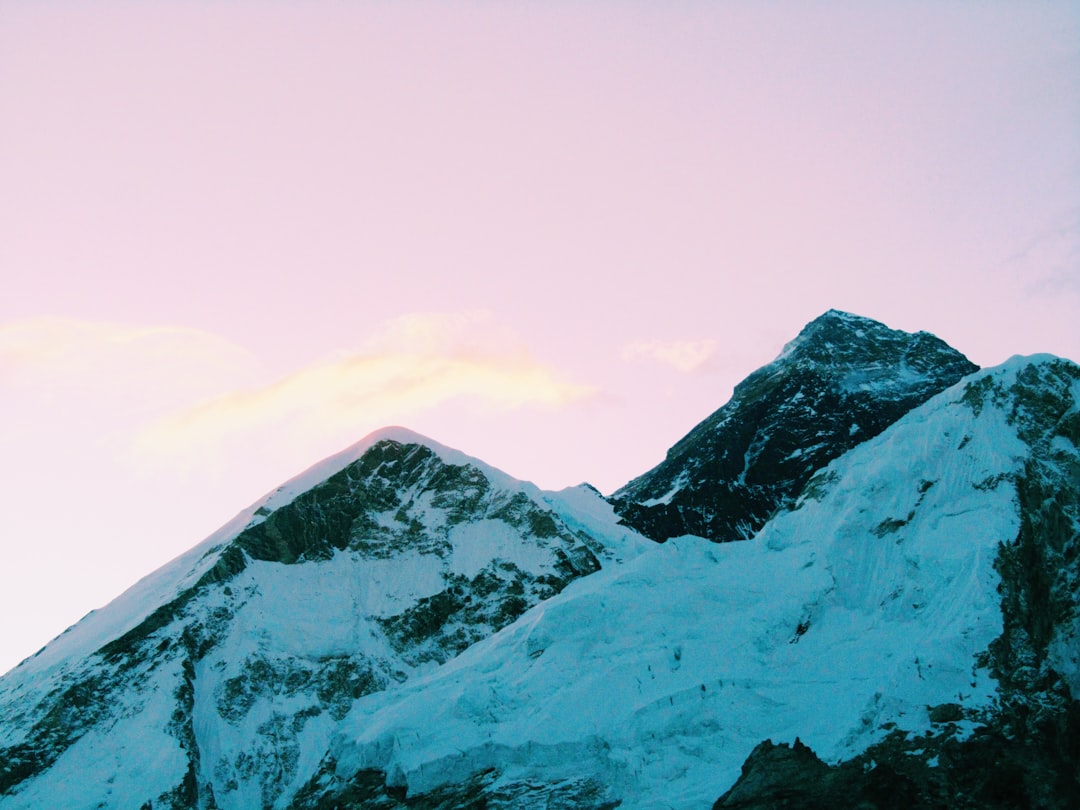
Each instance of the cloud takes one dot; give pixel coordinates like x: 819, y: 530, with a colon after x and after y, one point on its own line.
x: 99, y: 357
x: 71, y: 386
x: 1050, y: 263
x: 96, y: 369
x: 684, y: 355
x: 411, y: 364
x: 187, y: 400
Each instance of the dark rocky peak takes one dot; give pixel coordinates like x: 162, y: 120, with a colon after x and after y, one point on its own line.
x: 988, y: 770
x: 852, y: 344
x: 396, y: 492
x: 341, y: 512
x: 841, y: 381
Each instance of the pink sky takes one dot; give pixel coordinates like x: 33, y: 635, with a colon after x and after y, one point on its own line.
x: 235, y: 238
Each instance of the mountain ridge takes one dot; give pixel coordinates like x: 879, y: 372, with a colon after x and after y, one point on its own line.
x: 404, y: 626
x: 408, y: 499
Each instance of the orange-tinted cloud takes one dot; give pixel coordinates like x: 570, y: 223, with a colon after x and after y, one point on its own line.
x: 413, y: 363
x: 113, y: 358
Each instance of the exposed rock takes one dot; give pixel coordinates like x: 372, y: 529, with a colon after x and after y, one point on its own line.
x: 368, y: 790
x: 780, y: 776
x: 987, y: 770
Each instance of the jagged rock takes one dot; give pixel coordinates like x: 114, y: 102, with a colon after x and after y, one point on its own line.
x: 783, y: 777
x: 988, y: 770
x: 779, y: 776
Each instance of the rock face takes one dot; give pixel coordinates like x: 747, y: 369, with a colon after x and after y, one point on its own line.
x: 782, y: 777
x: 778, y: 777
x: 405, y: 627
x: 988, y: 769
x: 842, y: 381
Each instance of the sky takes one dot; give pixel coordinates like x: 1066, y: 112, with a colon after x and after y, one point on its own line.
x: 237, y: 237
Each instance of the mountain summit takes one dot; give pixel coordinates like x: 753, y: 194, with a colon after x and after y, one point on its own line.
x: 403, y: 626
x: 843, y: 380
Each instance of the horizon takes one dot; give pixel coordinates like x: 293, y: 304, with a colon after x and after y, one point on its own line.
x: 240, y: 238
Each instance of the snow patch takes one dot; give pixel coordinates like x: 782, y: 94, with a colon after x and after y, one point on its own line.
x: 665, y: 499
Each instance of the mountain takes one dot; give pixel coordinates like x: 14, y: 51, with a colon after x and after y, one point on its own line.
x: 843, y: 380
x: 218, y: 680
x: 405, y: 627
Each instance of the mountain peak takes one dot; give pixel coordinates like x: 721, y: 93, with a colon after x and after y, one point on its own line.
x: 838, y: 326
x: 841, y: 381
x: 373, y: 566
x: 841, y: 316
x: 840, y: 338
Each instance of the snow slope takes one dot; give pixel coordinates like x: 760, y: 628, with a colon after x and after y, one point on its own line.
x: 153, y: 590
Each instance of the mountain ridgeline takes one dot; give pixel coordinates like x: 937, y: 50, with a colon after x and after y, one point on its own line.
x: 403, y: 626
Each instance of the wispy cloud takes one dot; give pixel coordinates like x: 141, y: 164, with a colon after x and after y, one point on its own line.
x: 684, y: 355
x: 410, y: 364
x: 100, y: 356
x: 1050, y: 263
x: 191, y: 400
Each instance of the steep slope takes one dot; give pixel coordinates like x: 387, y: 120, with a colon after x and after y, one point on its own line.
x: 217, y: 681
x: 881, y: 612
x: 842, y: 381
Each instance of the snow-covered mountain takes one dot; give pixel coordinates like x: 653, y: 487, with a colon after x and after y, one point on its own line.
x: 403, y: 626
x: 219, y: 680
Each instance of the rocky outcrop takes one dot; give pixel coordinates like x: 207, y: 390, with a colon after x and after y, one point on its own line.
x: 986, y: 770
x: 783, y: 777
x: 368, y: 790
